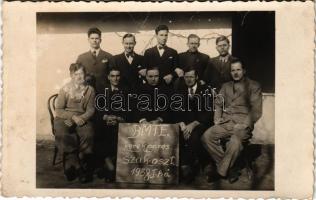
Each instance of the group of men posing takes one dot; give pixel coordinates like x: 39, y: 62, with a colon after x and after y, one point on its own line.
x: 202, y: 132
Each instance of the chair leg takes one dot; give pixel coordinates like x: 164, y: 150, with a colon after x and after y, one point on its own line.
x: 55, y: 155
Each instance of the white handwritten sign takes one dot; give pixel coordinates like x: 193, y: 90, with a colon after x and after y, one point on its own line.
x: 148, y: 153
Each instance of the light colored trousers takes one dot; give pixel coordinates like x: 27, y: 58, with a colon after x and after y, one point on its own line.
x: 235, y: 137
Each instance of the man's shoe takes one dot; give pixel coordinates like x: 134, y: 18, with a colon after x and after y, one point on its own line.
x: 213, y: 177
x: 233, y: 175
x: 85, y: 176
x: 71, y: 173
x: 187, y: 175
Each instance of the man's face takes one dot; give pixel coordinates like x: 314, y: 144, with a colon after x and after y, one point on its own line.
x: 78, y: 77
x: 193, y: 44
x: 237, y: 72
x: 114, y: 77
x: 129, y: 44
x: 152, y: 77
x: 190, y: 78
x: 222, y: 47
x: 162, y: 37
x: 94, y: 40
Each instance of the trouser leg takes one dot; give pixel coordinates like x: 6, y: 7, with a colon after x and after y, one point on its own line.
x: 195, y: 144
x: 67, y: 142
x: 211, y: 142
x: 233, y: 149
x: 86, y: 134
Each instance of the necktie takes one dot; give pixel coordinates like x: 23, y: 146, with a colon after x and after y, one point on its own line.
x: 94, y: 53
x: 190, y: 91
x: 161, y: 47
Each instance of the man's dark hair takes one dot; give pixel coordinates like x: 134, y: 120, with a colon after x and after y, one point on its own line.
x: 129, y: 35
x: 152, y: 68
x: 193, y: 36
x: 94, y: 30
x: 113, y: 68
x: 75, y: 67
x: 190, y: 68
x: 237, y: 60
x: 161, y: 27
x: 222, y: 38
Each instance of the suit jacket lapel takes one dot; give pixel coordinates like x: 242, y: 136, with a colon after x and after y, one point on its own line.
x: 124, y: 59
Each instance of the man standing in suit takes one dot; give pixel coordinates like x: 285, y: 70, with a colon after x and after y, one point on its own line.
x: 95, y: 61
x: 129, y: 63
x: 163, y: 57
x: 192, y: 57
x: 193, y: 122
x: 236, y: 113
x: 217, y: 71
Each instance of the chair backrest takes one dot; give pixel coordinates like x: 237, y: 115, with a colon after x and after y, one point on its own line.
x: 51, y: 110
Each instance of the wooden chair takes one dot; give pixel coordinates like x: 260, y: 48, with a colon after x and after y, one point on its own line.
x: 51, y: 109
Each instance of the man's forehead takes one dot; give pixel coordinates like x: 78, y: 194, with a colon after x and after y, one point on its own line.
x: 115, y: 72
x: 153, y: 71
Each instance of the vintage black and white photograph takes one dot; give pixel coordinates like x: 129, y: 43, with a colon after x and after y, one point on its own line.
x: 155, y: 100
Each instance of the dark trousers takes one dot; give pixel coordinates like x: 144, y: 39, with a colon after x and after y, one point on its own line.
x: 106, y: 143
x: 75, y: 141
x: 192, y: 149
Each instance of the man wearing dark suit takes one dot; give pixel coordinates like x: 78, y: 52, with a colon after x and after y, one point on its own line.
x: 129, y: 63
x: 217, y: 71
x: 193, y: 122
x: 238, y: 109
x: 152, y: 112
x: 95, y: 61
x: 106, y: 140
x: 193, y: 58
x: 162, y: 56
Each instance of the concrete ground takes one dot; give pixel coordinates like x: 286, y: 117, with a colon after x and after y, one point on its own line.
x: 48, y: 176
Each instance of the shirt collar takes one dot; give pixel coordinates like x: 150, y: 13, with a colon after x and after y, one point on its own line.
x: 163, y: 47
x: 194, y: 87
x: 96, y: 50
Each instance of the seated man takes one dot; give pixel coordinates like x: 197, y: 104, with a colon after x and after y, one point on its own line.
x: 238, y: 109
x: 109, y: 119
x: 73, y: 129
x: 193, y: 122
x: 147, y: 108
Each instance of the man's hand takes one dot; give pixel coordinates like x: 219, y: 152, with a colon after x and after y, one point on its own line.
x: 142, y: 72
x: 179, y: 72
x: 168, y: 78
x: 182, y: 126
x: 202, y: 82
x: 143, y: 121
x: 78, y: 120
x: 111, y: 120
x: 159, y: 120
x: 69, y: 122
